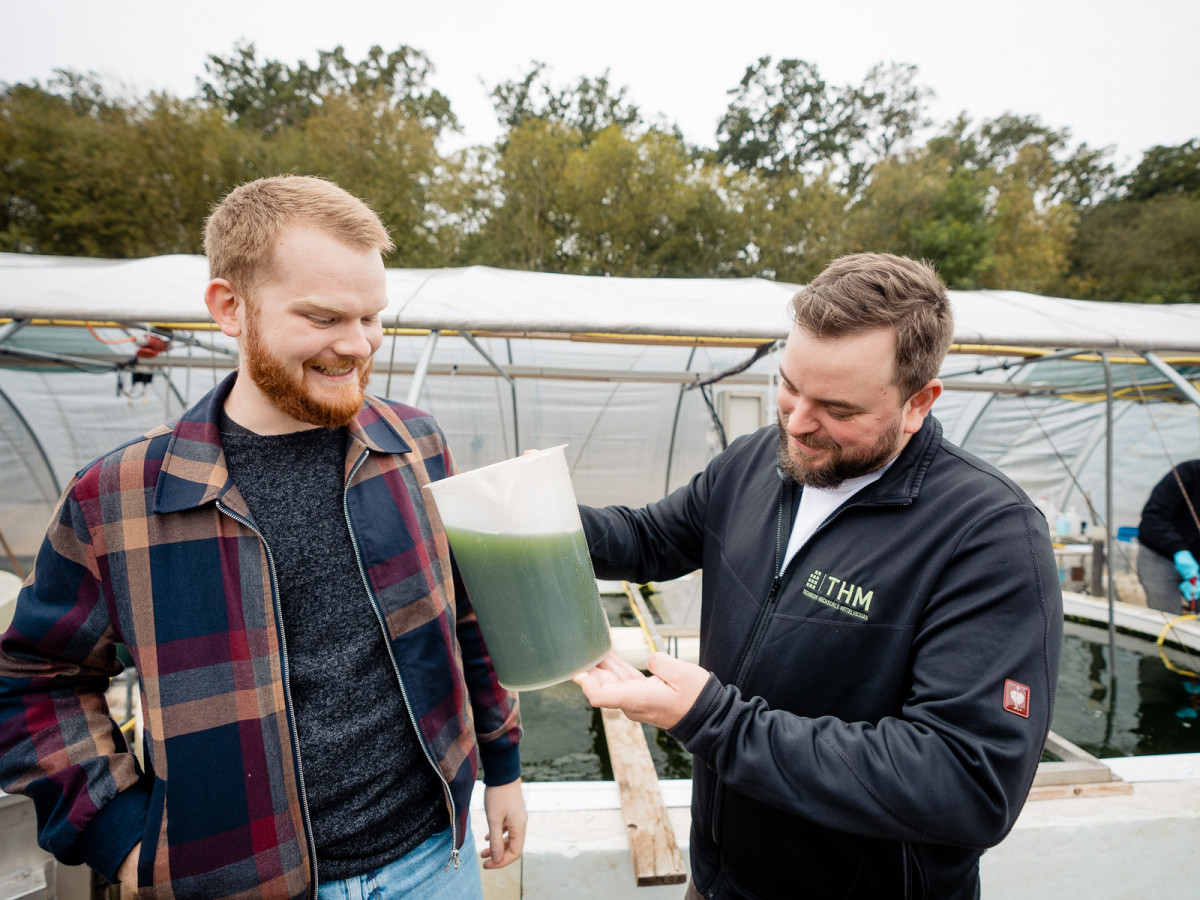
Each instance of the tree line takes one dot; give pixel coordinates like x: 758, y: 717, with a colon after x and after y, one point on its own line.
x: 799, y: 171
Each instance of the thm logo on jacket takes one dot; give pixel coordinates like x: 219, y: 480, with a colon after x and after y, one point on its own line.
x: 839, y: 593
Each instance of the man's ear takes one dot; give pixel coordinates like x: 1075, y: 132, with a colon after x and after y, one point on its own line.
x: 226, y: 306
x: 918, y: 405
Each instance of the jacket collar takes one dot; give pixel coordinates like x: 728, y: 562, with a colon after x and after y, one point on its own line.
x: 194, y: 471
x: 902, y: 482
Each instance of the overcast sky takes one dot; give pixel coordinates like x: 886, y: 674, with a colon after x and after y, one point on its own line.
x: 1125, y: 74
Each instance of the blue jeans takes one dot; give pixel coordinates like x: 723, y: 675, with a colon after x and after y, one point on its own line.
x: 420, y: 874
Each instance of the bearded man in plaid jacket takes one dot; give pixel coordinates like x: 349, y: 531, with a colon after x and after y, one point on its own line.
x: 316, y: 694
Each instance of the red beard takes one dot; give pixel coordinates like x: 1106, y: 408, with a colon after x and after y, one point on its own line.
x: 288, y: 392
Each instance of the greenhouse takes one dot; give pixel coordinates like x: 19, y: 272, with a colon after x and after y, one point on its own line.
x: 643, y: 379
x: 1084, y: 404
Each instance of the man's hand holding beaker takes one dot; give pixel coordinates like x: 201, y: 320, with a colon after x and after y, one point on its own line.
x: 661, y: 698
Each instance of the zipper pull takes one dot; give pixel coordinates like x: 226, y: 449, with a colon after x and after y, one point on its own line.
x: 454, y: 860
x: 774, y: 588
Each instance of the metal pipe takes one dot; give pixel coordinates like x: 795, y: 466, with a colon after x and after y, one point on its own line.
x: 173, y: 390
x: 1109, y: 533
x: 178, y: 337
x: 79, y: 362
x: 1013, y: 363
x: 414, y: 390
x: 512, y: 386
x: 24, y: 423
x: 1174, y: 377
x: 8, y: 330
x: 12, y: 558
x: 470, y: 339
x: 675, y: 426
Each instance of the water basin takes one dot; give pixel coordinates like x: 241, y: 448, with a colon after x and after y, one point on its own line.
x: 1149, y: 709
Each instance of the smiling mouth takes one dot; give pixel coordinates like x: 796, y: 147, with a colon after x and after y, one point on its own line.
x: 812, y: 445
x: 806, y: 450
x: 336, y: 373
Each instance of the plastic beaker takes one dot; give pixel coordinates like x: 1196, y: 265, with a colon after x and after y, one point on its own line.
x: 515, y: 533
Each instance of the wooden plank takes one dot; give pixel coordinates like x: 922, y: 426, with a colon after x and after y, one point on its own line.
x: 28, y: 883
x: 652, y: 844
x: 1070, y: 791
x: 1071, y: 772
x: 1069, y: 752
x: 1076, y: 774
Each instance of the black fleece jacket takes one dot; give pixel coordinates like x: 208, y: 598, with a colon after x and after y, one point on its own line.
x: 1168, y: 519
x: 875, y: 715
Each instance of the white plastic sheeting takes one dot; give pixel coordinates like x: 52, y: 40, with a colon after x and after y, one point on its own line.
x: 479, y: 298
x: 633, y: 432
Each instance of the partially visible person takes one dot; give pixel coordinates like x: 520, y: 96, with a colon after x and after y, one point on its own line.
x: 881, y: 619
x: 1169, y: 540
x: 316, y: 693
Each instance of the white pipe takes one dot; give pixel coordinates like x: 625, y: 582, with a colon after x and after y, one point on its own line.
x: 414, y: 391
x: 1174, y: 377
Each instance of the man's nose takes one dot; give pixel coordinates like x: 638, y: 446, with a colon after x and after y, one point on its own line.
x: 800, y: 418
x: 355, y: 339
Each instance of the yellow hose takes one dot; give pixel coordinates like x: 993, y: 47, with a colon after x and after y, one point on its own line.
x: 1162, y: 636
x: 638, y: 613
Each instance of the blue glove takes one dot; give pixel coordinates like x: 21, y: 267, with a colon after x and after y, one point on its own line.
x: 1186, y: 565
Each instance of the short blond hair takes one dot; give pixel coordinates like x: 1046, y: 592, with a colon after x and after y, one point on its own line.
x: 241, y: 231
x: 866, y: 291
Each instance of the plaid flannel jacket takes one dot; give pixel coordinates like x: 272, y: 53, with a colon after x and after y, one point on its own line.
x: 152, y: 546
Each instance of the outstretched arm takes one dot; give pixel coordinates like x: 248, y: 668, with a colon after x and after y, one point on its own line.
x: 660, y: 698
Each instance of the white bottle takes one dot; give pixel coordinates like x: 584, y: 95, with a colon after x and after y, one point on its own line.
x: 1062, y: 525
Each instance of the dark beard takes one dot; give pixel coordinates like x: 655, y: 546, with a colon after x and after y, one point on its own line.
x: 841, y: 466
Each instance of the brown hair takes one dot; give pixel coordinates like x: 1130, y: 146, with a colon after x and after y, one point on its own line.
x: 866, y: 291
x: 241, y: 232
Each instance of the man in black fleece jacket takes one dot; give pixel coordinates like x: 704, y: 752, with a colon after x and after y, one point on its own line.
x: 881, y: 619
x: 1169, y: 539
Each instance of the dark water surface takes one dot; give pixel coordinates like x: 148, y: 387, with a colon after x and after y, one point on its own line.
x: 564, y: 735
x: 1149, y: 709
x: 1153, y: 710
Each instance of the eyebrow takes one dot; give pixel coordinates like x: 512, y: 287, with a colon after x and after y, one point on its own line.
x: 843, y: 405
x: 316, y: 306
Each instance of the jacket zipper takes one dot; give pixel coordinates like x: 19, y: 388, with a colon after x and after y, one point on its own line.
x: 765, y: 617
x: 387, y: 643
x: 287, y: 693
x: 760, y: 629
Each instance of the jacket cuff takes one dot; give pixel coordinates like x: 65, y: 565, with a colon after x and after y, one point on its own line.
x: 501, y: 766
x: 687, y: 727
x: 115, y: 830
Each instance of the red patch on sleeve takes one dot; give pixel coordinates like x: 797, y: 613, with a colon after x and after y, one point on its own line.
x: 1016, y: 698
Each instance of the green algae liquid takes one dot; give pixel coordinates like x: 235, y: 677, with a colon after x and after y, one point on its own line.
x: 536, y: 600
